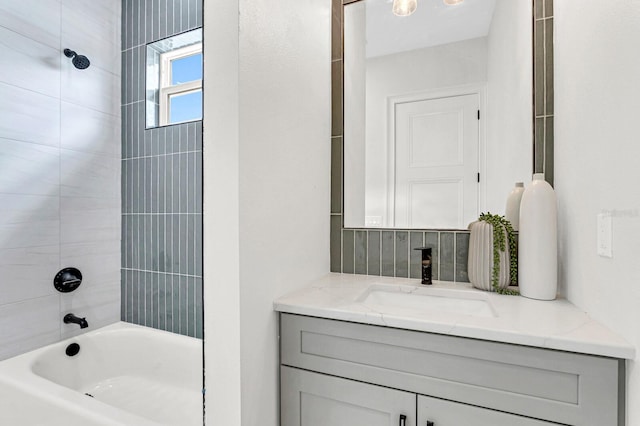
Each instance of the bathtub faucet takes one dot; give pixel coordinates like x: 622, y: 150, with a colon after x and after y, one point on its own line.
x: 72, y: 319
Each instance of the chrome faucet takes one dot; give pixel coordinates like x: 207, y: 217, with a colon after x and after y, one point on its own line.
x: 72, y: 319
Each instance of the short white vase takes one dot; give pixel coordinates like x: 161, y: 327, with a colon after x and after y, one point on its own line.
x: 538, y: 241
x: 480, y: 263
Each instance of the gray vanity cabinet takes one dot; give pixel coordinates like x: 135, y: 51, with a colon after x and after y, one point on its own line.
x: 343, y: 373
x: 313, y: 399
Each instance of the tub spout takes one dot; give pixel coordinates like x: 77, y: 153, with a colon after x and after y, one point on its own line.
x: 72, y: 319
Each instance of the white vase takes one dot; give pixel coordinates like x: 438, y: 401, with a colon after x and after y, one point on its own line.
x: 512, y: 212
x: 480, y: 262
x: 538, y: 241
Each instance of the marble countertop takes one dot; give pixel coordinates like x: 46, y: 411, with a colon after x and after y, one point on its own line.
x: 513, y: 319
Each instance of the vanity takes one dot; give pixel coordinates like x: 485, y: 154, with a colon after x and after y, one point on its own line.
x: 366, y: 350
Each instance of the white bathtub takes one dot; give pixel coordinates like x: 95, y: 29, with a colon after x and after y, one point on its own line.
x: 123, y: 374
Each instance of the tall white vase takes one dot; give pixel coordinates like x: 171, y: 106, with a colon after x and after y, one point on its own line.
x: 512, y: 212
x: 538, y: 241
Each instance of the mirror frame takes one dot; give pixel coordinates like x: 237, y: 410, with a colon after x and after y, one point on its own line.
x: 343, y: 251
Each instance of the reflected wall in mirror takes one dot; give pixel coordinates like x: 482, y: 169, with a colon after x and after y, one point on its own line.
x: 437, y: 111
x: 174, y: 79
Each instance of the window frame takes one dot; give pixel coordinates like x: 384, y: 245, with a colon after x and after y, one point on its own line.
x: 167, y: 90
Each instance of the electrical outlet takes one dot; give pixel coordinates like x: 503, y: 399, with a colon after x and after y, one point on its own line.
x: 605, y: 232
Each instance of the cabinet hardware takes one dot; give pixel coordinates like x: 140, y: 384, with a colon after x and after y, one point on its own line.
x: 403, y: 420
x: 430, y: 423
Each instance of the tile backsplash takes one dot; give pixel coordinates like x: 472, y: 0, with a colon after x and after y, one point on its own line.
x: 161, y: 185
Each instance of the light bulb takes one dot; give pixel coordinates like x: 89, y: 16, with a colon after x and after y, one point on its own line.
x: 404, y: 7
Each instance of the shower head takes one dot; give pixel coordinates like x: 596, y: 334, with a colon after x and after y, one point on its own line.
x: 79, y: 61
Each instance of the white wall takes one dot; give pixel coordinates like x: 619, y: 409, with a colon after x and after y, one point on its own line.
x: 444, y: 66
x: 509, y: 156
x: 267, y: 192
x: 60, y: 162
x: 596, y: 155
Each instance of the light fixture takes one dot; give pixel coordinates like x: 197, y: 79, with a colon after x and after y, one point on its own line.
x: 404, y: 7
x: 452, y: 2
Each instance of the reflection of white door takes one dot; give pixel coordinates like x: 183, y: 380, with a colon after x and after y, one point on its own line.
x: 436, y: 162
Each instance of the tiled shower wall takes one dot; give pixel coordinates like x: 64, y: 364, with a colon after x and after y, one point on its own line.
x: 161, y: 185
x: 60, y: 162
x: 388, y: 252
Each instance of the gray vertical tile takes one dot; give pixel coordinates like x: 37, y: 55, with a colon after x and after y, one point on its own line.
x: 416, y: 239
x: 127, y: 10
x: 198, y: 189
x: 336, y: 29
x: 127, y: 69
x: 141, y: 22
x: 388, y: 253
x: 123, y: 295
x: 548, y: 150
x: 184, y: 15
x: 548, y: 64
x: 164, y: 19
x: 402, y: 254
x: 431, y: 239
x: 171, y: 18
x: 155, y: 307
x: 336, y: 98
x: 175, y: 303
x: 141, y: 124
x: 162, y: 243
x: 538, y: 9
x: 184, y: 181
x: 148, y: 299
x: 155, y: 33
x: 199, y: 135
x: 462, y: 256
x: 191, y: 137
x: 198, y: 238
x: 548, y: 8
x: 149, y: 183
x: 168, y: 184
x: 182, y: 307
x: 135, y: 69
x: 148, y: 19
x: 176, y: 138
x: 191, y: 183
x: 135, y: 242
x: 447, y: 256
x: 168, y: 243
x: 123, y: 83
x: 373, y: 252
x: 124, y: 201
x: 200, y: 10
x: 199, y: 308
x: 191, y: 306
x: 538, y: 146
x: 162, y: 301
x: 336, y: 175
x: 129, y: 297
x: 193, y: 14
x: 154, y: 249
x: 360, y: 252
x: 168, y: 137
x: 538, y: 67
x: 185, y: 248
x: 348, y: 260
x: 190, y: 267
x: 135, y: 293
x: 175, y: 184
x: 175, y: 264
x: 162, y: 171
x: 162, y: 141
x: 184, y: 137
x: 335, y: 243
x: 147, y: 144
x: 148, y: 242
x: 128, y: 221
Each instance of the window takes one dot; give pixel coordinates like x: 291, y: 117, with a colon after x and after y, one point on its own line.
x: 180, y: 97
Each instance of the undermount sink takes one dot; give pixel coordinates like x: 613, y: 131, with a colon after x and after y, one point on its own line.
x: 412, y: 300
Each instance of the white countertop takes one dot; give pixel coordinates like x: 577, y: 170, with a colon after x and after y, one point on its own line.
x: 545, y: 324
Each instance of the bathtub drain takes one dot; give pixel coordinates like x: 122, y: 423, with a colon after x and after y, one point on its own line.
x: 88, y: 394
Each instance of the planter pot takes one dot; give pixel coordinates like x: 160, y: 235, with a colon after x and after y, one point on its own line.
x: 480, y: 264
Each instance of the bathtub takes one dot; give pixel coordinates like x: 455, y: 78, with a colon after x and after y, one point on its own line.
x: 123, y: 374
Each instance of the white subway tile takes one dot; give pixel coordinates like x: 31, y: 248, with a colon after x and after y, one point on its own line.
x: 29, y: 168
x: 29, y: 116
x: 36, y: 19
x: 87, y: 130
x: 28, y: 325
x: 29, y: 64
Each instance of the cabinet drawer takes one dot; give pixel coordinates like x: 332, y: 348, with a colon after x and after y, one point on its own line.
x: 569, y: 388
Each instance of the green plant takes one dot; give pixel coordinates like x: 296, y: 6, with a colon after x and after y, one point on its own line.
x: 500, y: 225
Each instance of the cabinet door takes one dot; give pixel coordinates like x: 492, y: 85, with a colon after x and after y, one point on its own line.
x: 312, y: 399
x: 440, y: 412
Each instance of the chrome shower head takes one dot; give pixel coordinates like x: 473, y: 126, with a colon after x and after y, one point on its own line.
x: 79, y: 61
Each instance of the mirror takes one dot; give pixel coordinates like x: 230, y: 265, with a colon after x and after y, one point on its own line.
x: 437, y: 111
x: 174, y: 79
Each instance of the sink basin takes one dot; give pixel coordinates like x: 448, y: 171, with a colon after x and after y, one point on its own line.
x: 411, y: 300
